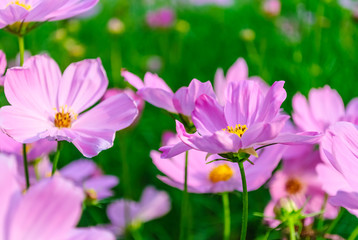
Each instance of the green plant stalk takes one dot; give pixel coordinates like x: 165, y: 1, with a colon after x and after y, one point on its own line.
x: 291, y: 226
x: 227, y: 220
x: 245, y: 202
x: 335, y: 221
x: 354, y: 234
x: 184, y: 207
x: 57, y: 157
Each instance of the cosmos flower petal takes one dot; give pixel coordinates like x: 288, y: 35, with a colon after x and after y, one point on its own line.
x: 169, y: 151
x: 22, y: 125
x: 35, y: 218
x: 12, y: 14
x: 79, y: 170
x: 184, y: 99
x: 102, y: 185
x: 3, y: 65
x: 41, y: 74
x: 158, y: 97
x: 220, y: 85
x: 352, y: 111
x: 115, y: 113
x: 345, y: 199
x: 154, y: 81
x: 208, y: 116
x: 238, y: 71
x: 133, y: 79
x: 39, y: 11
x: 71, y: 8
x: 82, y: 85
x: 89, y: 234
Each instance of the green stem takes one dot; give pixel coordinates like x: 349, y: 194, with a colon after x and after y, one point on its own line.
x: 354, y: 234
x: 245, y: 202
x: 26, y: 167
x: 57, y: 157
x: 335, y: 221
x: 291, y: 226
x: 184, y: 207
x: 21, y: 49
x: 227, y: 220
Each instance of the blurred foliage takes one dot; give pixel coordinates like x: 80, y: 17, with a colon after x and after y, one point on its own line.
x: 310, y: 44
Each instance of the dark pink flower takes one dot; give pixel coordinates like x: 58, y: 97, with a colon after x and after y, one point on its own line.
x: 161, y: 18
x: 3, y: 64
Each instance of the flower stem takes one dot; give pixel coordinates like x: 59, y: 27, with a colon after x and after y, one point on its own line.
x: 26, y: 167
x: 245, y: 202
x: 321, y: 216
x: 184, y: 206
x: 57, y: 157
x: 354, y: 234
x: 291, y: 226
x: 227, y: 220
x: 335, y: 221
x: 21, y: 49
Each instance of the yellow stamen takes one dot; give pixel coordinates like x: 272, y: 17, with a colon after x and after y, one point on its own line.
x: 293, y: 186
x: 221, y: 173
x: 21, y: 4
x: 91, y: 194
x: 64, y: 117
x: 238, y: 130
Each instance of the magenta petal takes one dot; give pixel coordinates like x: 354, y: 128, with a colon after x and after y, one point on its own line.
x: 3, y: 62
x: 82, y: 85
x: 345, y: 199
x: 22, y: 125
x: 102, y: 185
x: 41, y: 148
x: 352, y: 111
x: 218, y: 142
x: 173, y: 150
x: 220, y: 85
x: 154, y: 81
x: 42, y: 75
x: 208, y: 116
x: 90, y: 234
x: 133, y: 80
x: 184, y: 99
x: 35, y: 216
x: 243, y: 102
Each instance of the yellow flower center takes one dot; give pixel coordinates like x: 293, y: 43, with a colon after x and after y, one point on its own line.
x: 21, y: 4
x: 64, y: 117
x: 221, y: 173
x: 293, y: 186
x: 238, y: 130
x: 91, y: 194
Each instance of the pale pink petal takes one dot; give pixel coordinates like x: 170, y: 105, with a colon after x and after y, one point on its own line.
x: 41, y: 74
x: 102, y: 185
x: 133, y: 80
x: 208, y: 116
x: 49, y: 210
x: 121, y: 213
x: 352, y: 111
x: 41, y: 9
x: 220, y: 86
x: 12, y: 14
x: 158, y: 97
x: 113, y: 114
x: 89, y: 234
x: 79, y: 170
x: 22, y: 125
x: 345, y: 199
x: 154, y: 81
x: 174, y: 149
x: 71, y: 8
x: 184, y: 99
x: 238, y: 71
x: 153, y: 204
x: 82, y: 85
x: 302, y: 115
x: 3, y: 62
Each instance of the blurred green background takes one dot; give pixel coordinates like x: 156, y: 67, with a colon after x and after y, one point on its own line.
x: 309, y: 44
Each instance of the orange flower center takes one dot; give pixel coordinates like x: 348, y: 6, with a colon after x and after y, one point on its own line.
x: 293, y: 186
x: 64, y: 117
x: 239, y: 129
x: 221, y: 173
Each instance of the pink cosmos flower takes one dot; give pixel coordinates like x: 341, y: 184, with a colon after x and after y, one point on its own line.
x: 236, y: 73
x: 54, y: 108
x: 48, y: 210
x: 161, y: 18
x: 298, y: 182
x: 137, y: 99
x: 218, y: 176
x: 153, y: 204
x: 3, y: 64
x: 272, y: 7
x: 337, y: 174
x: 323, y: 108
x: 215, y: 2
x: 248, y: 120
x: 85, y: 174
x: 35, y: 150
x: 155, y: 91
x: 12, y: 11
